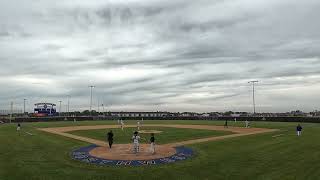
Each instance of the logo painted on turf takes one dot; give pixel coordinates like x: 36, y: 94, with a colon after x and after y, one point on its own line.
x: 83, y: 155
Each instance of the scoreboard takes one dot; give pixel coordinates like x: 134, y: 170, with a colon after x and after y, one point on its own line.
x: 45, y: 109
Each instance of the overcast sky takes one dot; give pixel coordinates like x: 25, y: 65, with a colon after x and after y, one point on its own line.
x: 149, y: 55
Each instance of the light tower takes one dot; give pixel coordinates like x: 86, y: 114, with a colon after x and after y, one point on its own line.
x: 68, y: 107
x: 24, y: 106
x: 253, y: 100
x: 60, y: 108
x: 91, y: 88
x: 11, y: 111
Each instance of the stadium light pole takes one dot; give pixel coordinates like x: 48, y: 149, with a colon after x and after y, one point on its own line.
x: 24, y: 106
x: 253, y: 100
x: 60, y: 108
x: 68, y: 108
x: 91, y: 87
x: 98, y: 106
x: 11, y: 109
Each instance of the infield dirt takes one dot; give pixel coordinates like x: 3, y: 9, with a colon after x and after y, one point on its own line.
x: 124, y: 151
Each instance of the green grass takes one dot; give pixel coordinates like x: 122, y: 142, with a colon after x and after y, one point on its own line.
x: 255, y: 157
x: 168, y: 135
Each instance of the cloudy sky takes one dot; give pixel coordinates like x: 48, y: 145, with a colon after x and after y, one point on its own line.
x: 174, y: 55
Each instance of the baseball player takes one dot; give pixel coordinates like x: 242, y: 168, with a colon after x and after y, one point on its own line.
x: 136, y: 139
x: 138, y: 125
x: 226, y: 124
x: 18, y: 127
x: 110, y: 138
x: 299, y: 129
x: 121, y: 124
x: 152, y: 144
x: 247, y: 124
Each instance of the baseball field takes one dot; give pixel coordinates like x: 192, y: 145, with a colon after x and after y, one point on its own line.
x: 266, y: 150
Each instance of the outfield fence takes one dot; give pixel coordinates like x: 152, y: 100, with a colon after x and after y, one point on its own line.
x: 224, y: 118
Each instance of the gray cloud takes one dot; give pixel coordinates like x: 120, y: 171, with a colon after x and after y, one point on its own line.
x: 161, y: 55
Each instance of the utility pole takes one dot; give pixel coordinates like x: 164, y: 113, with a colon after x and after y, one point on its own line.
x: 91, y: 87
x: 253, y: 100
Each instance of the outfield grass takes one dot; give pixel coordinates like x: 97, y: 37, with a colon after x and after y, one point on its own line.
x: 254, y: 157
x: 168, y: 135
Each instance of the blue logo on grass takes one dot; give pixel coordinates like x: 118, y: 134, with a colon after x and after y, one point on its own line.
x: 82, y: 154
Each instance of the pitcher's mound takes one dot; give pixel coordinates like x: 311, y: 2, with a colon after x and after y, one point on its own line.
x: 125, y: 152
x: 149, y: 132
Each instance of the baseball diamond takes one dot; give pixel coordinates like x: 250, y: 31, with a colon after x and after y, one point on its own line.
x: 159, y: 90
x: 98, y: 152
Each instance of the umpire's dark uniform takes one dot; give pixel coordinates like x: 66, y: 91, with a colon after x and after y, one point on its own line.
x: 110, y: 138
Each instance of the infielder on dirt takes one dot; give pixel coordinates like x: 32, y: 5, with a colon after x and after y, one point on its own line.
x: 247, y: 124
x: 152, y: 144
x: 136, y: 139
x: 110, y: 138
x: 226, y: 124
